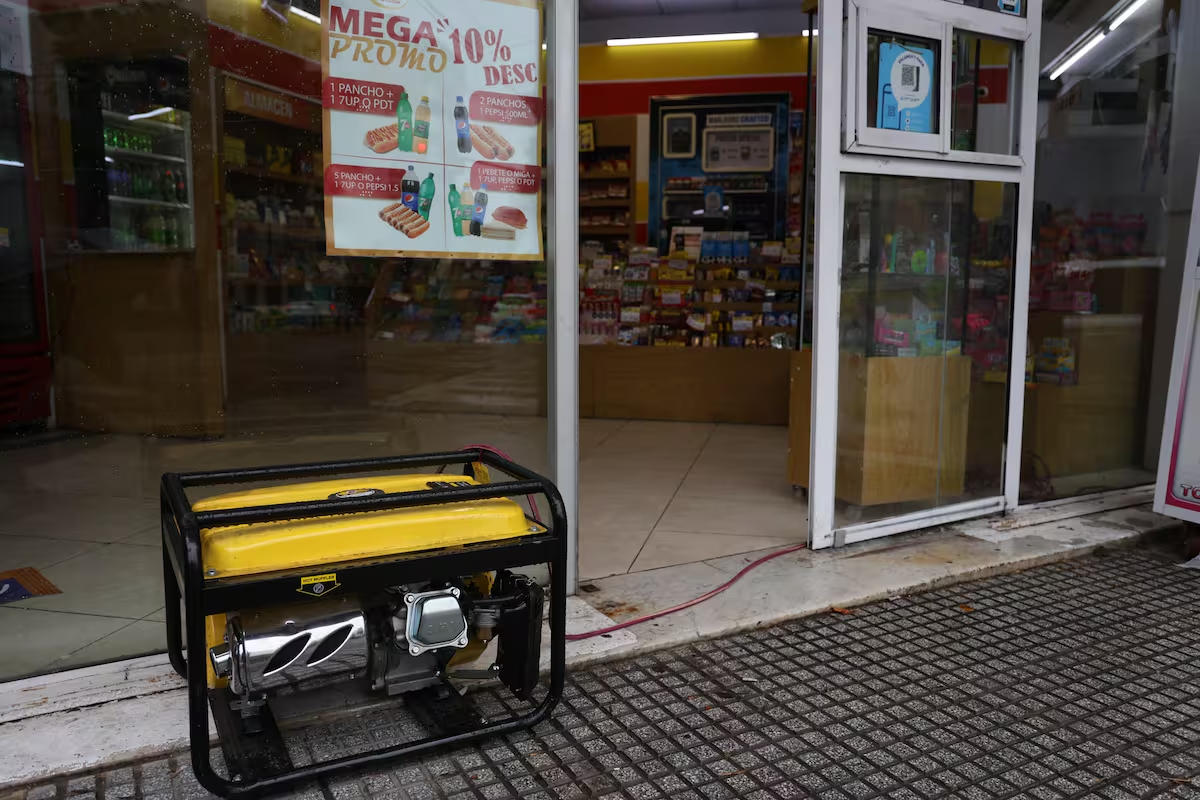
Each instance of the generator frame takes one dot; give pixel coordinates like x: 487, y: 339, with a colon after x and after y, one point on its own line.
x: 260, y: 760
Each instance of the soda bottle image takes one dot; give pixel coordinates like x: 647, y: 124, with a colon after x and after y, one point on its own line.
x: 421, y: 127
x: 480, y: 205
x: 425, y: 199
x: 404, y: 126
x: 409, y: 188
x: 462, y: 125
x: 455, y: 202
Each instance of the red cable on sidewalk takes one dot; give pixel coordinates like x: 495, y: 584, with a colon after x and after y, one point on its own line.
x: 574, y: 637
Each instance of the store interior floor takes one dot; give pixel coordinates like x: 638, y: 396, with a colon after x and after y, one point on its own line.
x: 83, y: 510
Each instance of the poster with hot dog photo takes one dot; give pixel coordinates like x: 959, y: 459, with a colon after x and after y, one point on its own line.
x: 433, y: 118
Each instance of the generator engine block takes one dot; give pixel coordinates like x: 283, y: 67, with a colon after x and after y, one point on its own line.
x: 399, y: 640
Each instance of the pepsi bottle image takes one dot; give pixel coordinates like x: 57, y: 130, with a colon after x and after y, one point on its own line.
x: 410, y: 188
x: 479, y: 213
x: 462, y: 125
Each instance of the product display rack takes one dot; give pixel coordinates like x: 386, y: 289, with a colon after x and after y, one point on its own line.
x: 607, y: 207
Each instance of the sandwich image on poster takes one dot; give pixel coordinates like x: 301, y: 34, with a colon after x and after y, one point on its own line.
x: 906, y: 77
x: 433, y: 119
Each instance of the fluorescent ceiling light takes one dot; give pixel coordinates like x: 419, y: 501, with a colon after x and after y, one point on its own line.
x: 1129, y: 11
x: 815, y: 31
x: 6, y: 163
x: 704, y: 37
x: 1080, y: 53
x: 155, y: 113
x: 299, y: 12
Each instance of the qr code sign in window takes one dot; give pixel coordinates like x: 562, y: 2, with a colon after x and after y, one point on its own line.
x: 910, y: 77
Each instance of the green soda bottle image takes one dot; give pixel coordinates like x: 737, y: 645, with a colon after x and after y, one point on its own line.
x: 404, y: 124
x: 425, y: 199
x: 455, y: 203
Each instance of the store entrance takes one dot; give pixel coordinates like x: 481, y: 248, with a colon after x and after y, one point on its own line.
x: 693, y: 391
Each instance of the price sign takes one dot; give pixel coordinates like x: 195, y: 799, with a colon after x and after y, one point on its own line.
x: 433, y: 118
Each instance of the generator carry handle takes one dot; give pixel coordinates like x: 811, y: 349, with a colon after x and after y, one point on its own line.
x: 185, y: 581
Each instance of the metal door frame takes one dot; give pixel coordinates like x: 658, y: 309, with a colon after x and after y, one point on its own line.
x: 837, y: 157
x: 562, y: 256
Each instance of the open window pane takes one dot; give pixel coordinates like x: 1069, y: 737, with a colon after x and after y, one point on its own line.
x: 983, y: 113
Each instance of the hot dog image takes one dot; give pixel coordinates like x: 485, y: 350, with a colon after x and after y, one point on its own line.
x: 489, y: 143
x: 404, y: 219
x: 383, y: 140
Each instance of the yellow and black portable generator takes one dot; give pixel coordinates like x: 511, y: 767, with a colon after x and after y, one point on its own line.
x: 391, y: 580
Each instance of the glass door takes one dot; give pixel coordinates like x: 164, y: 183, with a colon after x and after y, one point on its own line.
x: 922, y: 261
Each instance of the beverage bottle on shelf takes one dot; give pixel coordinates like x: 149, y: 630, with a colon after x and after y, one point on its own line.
x: 166, y: 186
x: 425, y: 199
x: 462, y: 125
x: 409, y: 188
x: 455, y: 202
x: 181, y: 195
x: 421, y: 127
x: 404, y: 126
x: 170, y: 232
x: 480, y: 212
x: 157, y: 226
x: 119, y: 138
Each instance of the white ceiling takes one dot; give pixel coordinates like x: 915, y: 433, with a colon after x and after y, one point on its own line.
x: 600, y: 9
x: 613, y: 19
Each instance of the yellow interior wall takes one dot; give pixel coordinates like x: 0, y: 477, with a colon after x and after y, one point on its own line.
x: 780, y: 55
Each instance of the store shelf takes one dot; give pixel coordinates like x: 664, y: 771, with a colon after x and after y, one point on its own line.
x: 138, y: 154
x: 781, y: 286
x: 137, y: 201
x: 264, y: 174
x: 149, y: 124
x: 765, y: 307
x: 605, y: 230
x: 605, y: 176
x: 895, y: 281
x: 611, y: 202
x: 1135, y: 262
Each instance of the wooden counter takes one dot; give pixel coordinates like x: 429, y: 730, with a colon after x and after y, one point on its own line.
x: 902, y: 427
x: 457, y: 377
x: 684, y: 384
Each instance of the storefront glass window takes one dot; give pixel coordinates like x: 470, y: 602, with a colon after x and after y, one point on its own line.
x: 924, y: 328
x: 196, y: 319
x: 1104, y: 162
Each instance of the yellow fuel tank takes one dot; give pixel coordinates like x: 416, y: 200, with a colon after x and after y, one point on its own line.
x: 269, y: 546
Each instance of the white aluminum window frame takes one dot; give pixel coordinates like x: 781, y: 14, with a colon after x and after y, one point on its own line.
x: 840, y: 95
x: 562, y: 251
x: 927, y: 19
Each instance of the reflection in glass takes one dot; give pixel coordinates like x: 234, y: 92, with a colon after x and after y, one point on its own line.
x: 1104, y: 165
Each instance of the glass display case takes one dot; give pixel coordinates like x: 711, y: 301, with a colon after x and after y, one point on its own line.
x: 924, y: 338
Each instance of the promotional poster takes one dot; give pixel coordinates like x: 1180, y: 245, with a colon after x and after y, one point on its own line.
x: 432, y: 120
